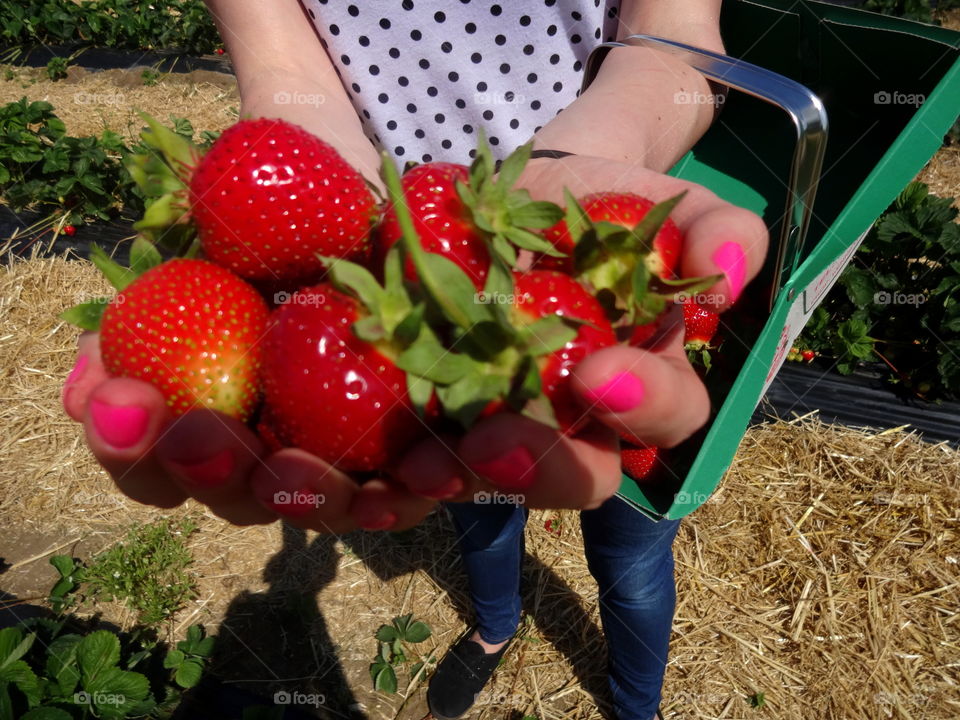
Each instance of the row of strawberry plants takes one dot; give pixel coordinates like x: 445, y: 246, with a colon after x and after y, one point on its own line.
x: 896, y: 307
x: 73, y: 178
x: 184, y: 25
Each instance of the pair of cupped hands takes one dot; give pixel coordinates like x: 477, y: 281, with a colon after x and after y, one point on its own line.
x: 653, y: 394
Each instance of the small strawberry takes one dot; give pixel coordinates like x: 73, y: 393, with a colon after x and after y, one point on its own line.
x: 553, y: 526
x: 808, y: 355
x: 192, y: 329
x: 330, y: 392
x: 700, y: 327
x: 220, y: 51
x: 638, y: 462
x: 69, y: 230
x: 442, y: 221
x: 269, y: 197
x: 626, y: 210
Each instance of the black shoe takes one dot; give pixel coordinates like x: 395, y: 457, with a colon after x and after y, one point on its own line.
x: 460, y: 677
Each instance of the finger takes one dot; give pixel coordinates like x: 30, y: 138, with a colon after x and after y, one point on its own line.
x: 433, y: 470
x: 305, y: 491
x: 727, y: 240
x: 210, y: 456
x: 658, y: 398
x: 519, y: 456
x: 124, y: 419
x: 87, y: 373
x: 381, y: 505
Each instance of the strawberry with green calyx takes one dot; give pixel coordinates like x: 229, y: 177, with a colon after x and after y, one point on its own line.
x: 331, y: 383
x: 472, y: 214
x: 625, y: 249
x: 700, y: 329
x: 494, y: 351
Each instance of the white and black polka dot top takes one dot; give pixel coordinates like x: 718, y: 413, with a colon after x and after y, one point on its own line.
x: 424, y: 75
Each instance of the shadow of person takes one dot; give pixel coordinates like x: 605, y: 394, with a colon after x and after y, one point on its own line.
x: 555, y: 608
x: 276, y: 643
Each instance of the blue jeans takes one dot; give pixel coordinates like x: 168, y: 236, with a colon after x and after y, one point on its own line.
x: 630, y: 557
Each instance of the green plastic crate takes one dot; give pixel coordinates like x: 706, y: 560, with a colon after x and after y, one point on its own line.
x: 891, y: 90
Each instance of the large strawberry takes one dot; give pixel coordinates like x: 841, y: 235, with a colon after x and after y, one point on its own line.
x: 626, y: 210
x: 269, y: 197
x: 330, y: 392
x: 470, y: 215
x: 192, y: 329
x: 441, y: 220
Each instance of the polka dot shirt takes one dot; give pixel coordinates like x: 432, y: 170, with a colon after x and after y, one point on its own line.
x: 426, y: 75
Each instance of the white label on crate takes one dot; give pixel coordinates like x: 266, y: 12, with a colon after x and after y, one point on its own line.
x: 803, y: 307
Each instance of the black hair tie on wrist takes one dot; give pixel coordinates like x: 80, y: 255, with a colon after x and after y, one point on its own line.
x: 551, y: 154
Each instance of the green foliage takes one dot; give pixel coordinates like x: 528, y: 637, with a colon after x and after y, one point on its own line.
x: 43, y: 168
x: 147, y: 571
x: 134, y: 24
x: 757, y: 700
x: 150, y: 76
x: 393, y: 651
x: 57, y: 68
x: 921, y: 10
x: 898, y: 302
x: 61, y: 670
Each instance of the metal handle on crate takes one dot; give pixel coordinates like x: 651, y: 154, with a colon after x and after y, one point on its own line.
x: 805, y: 109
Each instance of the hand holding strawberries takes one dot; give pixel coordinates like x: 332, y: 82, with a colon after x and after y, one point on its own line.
x: 358, y: 372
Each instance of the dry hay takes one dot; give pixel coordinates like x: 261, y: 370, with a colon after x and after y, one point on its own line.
x: 90, y: 102
x: 822, y: 574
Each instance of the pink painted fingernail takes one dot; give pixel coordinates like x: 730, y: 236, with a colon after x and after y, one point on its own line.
x: 513, y: 470
x: 120, y: 425
x: 380, y: 522
x: 732, y: 262
x: 623, y: 392
x: 77, y: 370
x: 449, y: 489
x: 209, y: 472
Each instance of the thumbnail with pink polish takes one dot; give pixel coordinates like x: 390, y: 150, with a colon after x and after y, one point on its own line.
x: 731, y: 261
x: 623, y: 392
x: 120, y: 426
x: 513, y: 470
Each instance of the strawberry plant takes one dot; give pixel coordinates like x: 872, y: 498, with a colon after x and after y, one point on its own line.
x: 57, y: 68
x: 394, y: 641
x: 896, y: 307
x: 134, y: 24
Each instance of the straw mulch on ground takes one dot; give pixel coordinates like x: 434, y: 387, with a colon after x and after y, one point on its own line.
x: 823, y: 574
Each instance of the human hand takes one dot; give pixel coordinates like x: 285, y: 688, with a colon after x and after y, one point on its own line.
x: 219, y: 461
x: 652, y: 394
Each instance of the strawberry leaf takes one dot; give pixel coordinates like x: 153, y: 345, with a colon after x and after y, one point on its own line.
x: 540, y: 410
x: 420, y: 391
x: 427, y: 358
x: 116, y: 274
x: 527, y: 384
x: 513, y: 165
x: 465, y: 399
x: 645, y: 230
x: 143, y: 255
x: 180, y: 153
x: 547, y: 335
x: 355, y: 279
x: 539, y: 214
x: 86, y: 315
x: 409, y: 328
x: 504, y: 250
x: 575, y: 217
x: 531, y: 241
x: 369, y: 329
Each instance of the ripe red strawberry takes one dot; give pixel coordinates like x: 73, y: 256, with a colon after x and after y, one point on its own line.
x: 192, y: 329
x: 700, y: 325
x: 542, y: 293
x: 329, y: 392
x: 442, y: 221
x: 220, y: 51
x: 69, y: 230
x: 808, y: 355
x: 625, y: 210
x: 269, y: 197
x: 638, y: 462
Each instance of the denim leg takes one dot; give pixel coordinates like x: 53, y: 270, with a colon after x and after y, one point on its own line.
x: 631, y: 558
x: 492, y: 546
